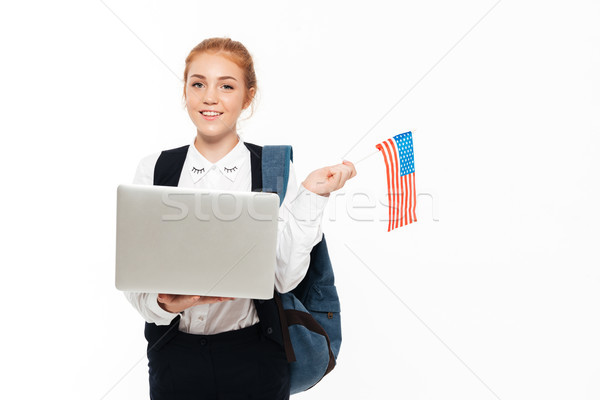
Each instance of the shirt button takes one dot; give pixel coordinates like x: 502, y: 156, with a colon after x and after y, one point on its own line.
x: 201, y: 318
x: 269, y: 330
x: 203, y: 342
x: 213, y: 167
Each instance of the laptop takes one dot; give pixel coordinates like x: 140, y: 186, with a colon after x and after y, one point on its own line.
x: 196, y: 241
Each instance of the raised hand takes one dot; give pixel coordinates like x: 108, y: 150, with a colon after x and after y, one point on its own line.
x: 325, y: 180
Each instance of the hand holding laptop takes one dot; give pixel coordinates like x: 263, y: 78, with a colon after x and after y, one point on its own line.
x: 177, y: 303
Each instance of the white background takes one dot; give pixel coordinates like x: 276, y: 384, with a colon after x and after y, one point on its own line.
x: 498, y: 299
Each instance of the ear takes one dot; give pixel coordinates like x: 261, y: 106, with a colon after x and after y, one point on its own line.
x: 251, y: 94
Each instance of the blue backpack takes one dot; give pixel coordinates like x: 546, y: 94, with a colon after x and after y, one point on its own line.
x: 309, y: 314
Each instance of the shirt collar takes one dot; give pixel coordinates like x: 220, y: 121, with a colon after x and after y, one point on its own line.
x: 229, y: 165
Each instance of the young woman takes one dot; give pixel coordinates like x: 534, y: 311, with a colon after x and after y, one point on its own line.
x: 218, y: 349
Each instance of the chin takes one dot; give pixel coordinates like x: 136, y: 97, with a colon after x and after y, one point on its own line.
x: 215, y: 134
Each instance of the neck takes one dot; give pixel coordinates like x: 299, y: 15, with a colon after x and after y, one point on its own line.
x: 213, y: 148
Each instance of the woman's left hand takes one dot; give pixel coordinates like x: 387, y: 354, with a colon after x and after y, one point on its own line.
x: 329, y: 179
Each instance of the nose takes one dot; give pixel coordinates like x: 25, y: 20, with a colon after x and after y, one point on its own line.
x: 210, y: 96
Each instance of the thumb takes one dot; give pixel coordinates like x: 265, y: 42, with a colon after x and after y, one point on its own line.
x: 165, y: 298
x: 351, y: 165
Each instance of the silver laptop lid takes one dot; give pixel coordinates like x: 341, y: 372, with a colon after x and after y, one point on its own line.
x: 200, y: 242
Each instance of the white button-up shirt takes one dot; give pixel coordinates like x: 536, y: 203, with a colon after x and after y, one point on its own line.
x: 299, y: 230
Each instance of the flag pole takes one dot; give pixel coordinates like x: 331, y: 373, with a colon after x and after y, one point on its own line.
x: 367, y: 156
x: 375, y: 152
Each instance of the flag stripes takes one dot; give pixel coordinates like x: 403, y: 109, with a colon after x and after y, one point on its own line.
x: 399, y: 162
x: 388, y: 175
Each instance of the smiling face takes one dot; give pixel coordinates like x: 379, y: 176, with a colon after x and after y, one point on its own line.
x: 215, y: 95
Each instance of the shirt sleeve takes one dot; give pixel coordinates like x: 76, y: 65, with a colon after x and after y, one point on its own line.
x: 299, y: 230
x: 146, y: 303
x: 144, y: 173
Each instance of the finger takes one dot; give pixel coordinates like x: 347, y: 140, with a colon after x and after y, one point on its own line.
x: 165, y: 298
x: 185, y: 300
x: 347, y: 173
x: 330, y: 171
x: 344, y: 175
x: 222, y: 299
x: 212, y: 300
x: 328, y: 176
x: 352, y: 167
x: 336, y: 178
x: 187, y: 297
x: 206, y: 300
x: 195, y: 300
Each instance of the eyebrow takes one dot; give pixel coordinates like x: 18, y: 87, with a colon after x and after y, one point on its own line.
x: 221, y: 78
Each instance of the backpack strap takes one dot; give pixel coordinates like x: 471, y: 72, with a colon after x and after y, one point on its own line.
x: 275, y: 175
x: 276, y: 169
x: 268, y: 310
x: 255, y: 165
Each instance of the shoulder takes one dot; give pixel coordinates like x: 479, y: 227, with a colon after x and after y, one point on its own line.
x: 176, y: 150
x: 271, y: 150
x: 151, y: 159
x: 173, y: 157
x: 145, y: 170
x: 177, y: 153
x: 254, y: 149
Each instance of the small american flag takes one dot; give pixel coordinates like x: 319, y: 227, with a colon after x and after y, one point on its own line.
x: 400, y: 168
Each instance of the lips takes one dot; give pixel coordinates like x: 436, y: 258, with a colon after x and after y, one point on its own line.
x: 210, y: 115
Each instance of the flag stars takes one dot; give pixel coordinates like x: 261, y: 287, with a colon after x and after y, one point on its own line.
x: 405, y: 152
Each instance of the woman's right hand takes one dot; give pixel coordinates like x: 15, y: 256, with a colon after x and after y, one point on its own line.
x: 175, y: 303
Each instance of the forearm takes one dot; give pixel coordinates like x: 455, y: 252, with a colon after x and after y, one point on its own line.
x: 299, y: 231
x: 149, y: 308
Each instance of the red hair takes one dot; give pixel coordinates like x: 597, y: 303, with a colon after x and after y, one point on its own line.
x: 232, y: 50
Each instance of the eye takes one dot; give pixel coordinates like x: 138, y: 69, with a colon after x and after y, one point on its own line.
x: 228, y: 87
x: 197, y: 83
x: 230, y: 169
